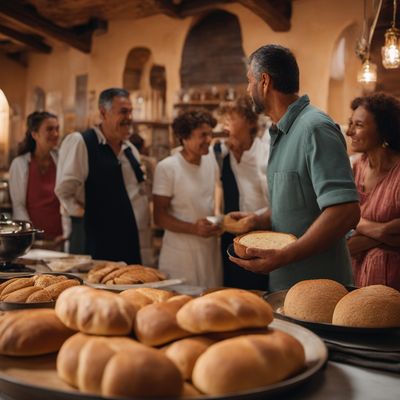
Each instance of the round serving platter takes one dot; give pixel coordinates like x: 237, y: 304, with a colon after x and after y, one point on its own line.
x: 35, y: 378
x: 8, y: 306
x: 277, y: 299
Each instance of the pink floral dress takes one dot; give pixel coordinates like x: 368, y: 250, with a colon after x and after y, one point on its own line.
x: 381, y: 204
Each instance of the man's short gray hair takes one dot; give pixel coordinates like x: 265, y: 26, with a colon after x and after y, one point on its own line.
x: 107, y: 96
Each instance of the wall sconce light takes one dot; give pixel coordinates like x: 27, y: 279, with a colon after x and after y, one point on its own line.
x: 391, y: 49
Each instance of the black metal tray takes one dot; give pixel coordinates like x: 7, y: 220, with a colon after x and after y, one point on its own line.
x: 7, y: 306
x: 276, y: 300
x: 35, y: 378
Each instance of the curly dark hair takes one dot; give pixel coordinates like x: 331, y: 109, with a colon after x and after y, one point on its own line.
x: 386, y: 111
x: 186, y: 123
x: 33, y: 122
x: 243, y: 106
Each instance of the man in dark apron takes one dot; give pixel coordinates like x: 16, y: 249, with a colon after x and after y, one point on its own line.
x: 103, y: 160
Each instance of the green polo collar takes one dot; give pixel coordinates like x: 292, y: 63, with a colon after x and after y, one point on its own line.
x: 291, y: 114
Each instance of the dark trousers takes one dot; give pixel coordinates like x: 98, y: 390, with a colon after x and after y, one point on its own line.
x: 77, y: 237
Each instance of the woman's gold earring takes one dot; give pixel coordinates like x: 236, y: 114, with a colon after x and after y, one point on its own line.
x: 385, y: 144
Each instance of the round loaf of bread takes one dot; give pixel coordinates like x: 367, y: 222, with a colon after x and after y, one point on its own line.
x: 261, y: 240
x: 155, y: 324
x: 248, y: 362
x: 375, y: 306
x: 31, y: 332
x: 96, y: 312
x: 224, y: 310
x: 313, y: 300
x: 117, y: 367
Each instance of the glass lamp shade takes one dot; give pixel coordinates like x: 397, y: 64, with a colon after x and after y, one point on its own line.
x: 391, y: 49
x: 367, y: 74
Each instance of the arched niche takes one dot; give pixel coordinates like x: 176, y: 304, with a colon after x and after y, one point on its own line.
x: 147, y: 84
x: 213, y: 52
x: 4, y: 130
x: 343, y: 85
x: 135, y: 66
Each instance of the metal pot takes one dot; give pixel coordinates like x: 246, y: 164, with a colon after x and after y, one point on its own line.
x: 16, y: 238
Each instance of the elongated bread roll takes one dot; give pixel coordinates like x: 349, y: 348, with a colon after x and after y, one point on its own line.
x: 248, y: 362
x: 225, y: 310
x: 141, y: 297
x: 31, y: 332
x: 156, y: 323
x: 20, y: 295
x: 117, y: 366
x: 185, y: 352
x: 96, y: 312
x: 15, y: 284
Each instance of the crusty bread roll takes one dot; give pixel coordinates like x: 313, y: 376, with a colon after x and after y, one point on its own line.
x: 41, y: 296
x: 15, y: 284
x: 94, y: 311
x: 313, y: 300
x: 232, y: 225
x: 31, y: 332
x: 45, y: 280
x: 225, y: 310
x: 261, y: 240
x: 248, y: 362
x: 141, y: 297
x: 190, y: 391
x: 117, y: 366
x: 57, y: 288
x: 97, y: 273
x: 156, y: 323
x: 20, y: 295
x: 375, y: 306
x: 185, y: 352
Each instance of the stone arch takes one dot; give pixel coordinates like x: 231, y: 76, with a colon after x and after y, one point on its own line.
x: 136, y: 64
x: 343, y: 86
x: 213, y: 53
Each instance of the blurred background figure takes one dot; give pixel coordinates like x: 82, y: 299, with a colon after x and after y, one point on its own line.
x: 33, y: 178
x: 184, y: 195
x: 243, y: 160
x: 374, y: 130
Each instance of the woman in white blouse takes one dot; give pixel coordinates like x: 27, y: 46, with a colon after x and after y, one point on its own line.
x: 183, y: 193
x: 33, y: 176
x: 243, y: 159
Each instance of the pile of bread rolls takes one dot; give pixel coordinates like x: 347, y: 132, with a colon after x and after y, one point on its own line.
x: 152, y: 343
x: 327, y: 301
x: 110, y: 273
x: 35, y: 289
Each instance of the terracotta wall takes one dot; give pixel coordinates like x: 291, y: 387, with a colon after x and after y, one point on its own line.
x: 316, y: 27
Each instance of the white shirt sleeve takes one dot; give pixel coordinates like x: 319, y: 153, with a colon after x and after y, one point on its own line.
x: 72, y: 172
x: 163, y: 184
x: 18, y: 184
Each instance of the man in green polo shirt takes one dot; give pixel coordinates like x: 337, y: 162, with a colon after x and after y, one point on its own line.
x: 311, y: 188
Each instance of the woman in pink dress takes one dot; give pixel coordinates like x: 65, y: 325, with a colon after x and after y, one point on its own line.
x: 374, y: 130
x: 33, y: 177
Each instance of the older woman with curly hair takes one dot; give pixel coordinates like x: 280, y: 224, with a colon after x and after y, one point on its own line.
x: 374, y: 130
x: 183, y: 194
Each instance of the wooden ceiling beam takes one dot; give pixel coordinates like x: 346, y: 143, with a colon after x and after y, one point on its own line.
x: 276, y: 13
x: 28, y: 40
x: 186, y: 9
x: 16, y: 11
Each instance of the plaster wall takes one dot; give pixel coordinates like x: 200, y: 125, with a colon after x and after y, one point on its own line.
x: 316, y: 26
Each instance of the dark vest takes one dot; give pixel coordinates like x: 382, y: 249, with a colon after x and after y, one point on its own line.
x: 234, y: 276
x: 110, y: 224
